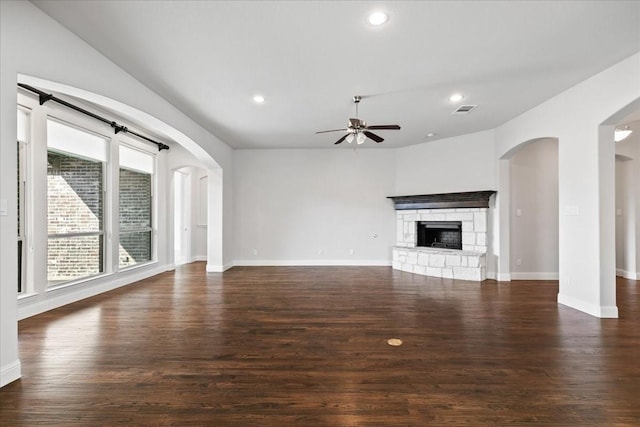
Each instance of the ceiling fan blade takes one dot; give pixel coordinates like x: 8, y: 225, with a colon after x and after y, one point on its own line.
x: 341, y: 139
x: 373, y: 136
x: 381, y: 127
x: 333, y: 130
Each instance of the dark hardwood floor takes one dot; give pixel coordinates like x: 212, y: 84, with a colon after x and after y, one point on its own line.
x: 306, y: 346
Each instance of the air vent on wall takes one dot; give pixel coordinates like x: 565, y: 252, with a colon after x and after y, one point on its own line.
x: 464, y: 109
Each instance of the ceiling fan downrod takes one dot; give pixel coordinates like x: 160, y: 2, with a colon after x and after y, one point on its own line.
x: 356, y: 100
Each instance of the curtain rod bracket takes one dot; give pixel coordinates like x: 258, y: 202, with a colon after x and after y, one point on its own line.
x: 117, y: 128
x: 44, y: 97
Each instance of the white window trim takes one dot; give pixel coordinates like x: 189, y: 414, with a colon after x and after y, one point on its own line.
x: 27, y: 211
x: 37, y: 227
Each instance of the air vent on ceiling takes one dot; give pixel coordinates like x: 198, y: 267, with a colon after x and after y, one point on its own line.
x: 464, y: 109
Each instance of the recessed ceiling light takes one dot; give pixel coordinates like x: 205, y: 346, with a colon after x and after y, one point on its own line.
x: 377, y: 18
x: 455, y: 97
x: 431, y: 134
x: 258, y: 99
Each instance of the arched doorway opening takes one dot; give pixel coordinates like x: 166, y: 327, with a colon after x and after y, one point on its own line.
x: 528, y: 211
x: 534, y: 215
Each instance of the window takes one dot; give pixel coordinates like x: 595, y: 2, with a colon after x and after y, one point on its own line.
x: 136, y: 178
x: 24, y: 121
x: 87, y: 209
x: 76, y: 161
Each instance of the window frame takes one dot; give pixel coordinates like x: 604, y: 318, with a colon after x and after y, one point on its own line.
x: 147, y: 149
x: 25, y: 243
x: 37, y: 256
x: 101, y: 233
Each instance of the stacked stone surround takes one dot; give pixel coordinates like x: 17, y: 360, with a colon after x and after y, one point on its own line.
x: 467, y: 264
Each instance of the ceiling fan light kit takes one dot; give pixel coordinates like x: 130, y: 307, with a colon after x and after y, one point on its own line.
x: 359, y: 130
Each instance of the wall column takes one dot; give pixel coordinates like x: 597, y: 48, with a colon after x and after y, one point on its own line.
x: 503, y: 209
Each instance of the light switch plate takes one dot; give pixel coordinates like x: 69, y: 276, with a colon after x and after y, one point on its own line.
x: 3, y: 207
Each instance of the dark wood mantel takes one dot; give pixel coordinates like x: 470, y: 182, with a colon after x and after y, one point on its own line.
x: 469, y: 199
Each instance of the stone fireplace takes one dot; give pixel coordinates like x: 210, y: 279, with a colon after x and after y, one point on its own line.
x: 442, y: 235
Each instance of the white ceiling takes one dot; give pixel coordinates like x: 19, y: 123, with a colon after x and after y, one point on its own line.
x: 309, y: 58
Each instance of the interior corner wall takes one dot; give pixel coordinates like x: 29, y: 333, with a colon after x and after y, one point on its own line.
x: 534, y: 211
x: 51, y: 52
x: 312, y: 207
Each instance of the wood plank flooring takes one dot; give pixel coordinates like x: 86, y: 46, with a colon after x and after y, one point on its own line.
x: 306, y: 346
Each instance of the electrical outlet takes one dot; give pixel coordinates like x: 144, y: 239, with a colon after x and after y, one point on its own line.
x: 518, y: 261
x: 320, y: 251
x: 351, y: 251
x: 255, y: 252
x: 518, y: 212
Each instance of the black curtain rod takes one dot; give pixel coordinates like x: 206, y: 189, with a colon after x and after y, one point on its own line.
x: 44, y: 97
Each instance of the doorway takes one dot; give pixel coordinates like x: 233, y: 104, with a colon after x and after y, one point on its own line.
x: 182, y: 216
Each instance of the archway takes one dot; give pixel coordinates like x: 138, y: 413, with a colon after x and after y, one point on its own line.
x: 215, y: 172
x: 533, y: 217
x: 510, y: 212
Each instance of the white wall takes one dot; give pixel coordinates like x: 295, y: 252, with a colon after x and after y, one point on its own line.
x: 534, y: 195
x: 48, y: 51
x: 463, y: 163
x: 586, y: 180
x: 292, y: 204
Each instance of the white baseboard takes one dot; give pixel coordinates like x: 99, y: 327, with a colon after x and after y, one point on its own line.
x: 535, y: 276
x: 10, y: 372
x: 311, y: 262
x: 217, y: 268
x: 198, y: 258
x: 55, y: 298
x: 503, y: 277
x: 628, y: 274
x: 605, y: 312
x: 491, y: 275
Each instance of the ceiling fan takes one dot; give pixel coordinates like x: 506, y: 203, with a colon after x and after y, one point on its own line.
x: 359, y: 130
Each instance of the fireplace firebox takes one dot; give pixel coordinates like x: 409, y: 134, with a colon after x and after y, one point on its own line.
x: 439, y: 234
